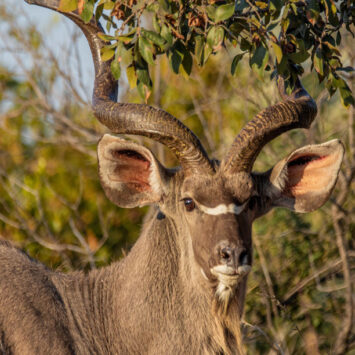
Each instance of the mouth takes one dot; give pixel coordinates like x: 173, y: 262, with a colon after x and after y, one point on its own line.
x: 228, y: 271
x: 228, y: 278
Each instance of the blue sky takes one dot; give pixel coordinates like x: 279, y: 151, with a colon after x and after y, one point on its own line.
x: 56, y: 31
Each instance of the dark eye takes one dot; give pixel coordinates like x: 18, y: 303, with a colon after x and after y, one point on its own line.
x: 189, y: 204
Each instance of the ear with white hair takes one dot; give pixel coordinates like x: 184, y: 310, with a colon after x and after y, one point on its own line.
x: 130, y: 174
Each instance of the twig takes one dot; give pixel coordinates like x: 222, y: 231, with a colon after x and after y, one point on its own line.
x: 301, y: 285
x: 83, y: 242
x: 274, y: 345
x: 341, y: 340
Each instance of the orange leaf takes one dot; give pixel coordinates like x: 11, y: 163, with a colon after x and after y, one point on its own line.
x: 80, y: 6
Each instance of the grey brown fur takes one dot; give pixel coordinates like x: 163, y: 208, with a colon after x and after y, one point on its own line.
x: 181, y: 289
x: 143, y: 305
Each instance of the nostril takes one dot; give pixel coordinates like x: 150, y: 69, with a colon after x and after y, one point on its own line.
x: 243, y: 258
x: 226, y: 253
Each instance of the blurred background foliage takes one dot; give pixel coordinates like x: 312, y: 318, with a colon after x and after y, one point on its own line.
x: 301, y: 291
x: 190, y: 31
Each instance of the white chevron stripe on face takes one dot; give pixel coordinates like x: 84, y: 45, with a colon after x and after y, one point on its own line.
x: 223, y: 209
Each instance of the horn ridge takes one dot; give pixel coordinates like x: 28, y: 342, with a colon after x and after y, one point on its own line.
x: 296, y: 111
x: 138, y: 119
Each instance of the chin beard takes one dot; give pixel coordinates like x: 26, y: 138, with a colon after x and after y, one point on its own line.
x: 227, y: 284
x: 226, y: 309
x: 225, y: 291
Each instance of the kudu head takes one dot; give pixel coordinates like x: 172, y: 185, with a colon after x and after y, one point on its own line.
x: 212, y: 204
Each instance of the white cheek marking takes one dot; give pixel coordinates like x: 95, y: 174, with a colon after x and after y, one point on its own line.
x: 223, y: 209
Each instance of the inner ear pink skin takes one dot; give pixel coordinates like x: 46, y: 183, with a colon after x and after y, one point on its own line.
x: 308, y: 172
x: 131, y: 168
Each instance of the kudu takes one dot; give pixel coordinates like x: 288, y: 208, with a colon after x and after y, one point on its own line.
x: 181, y: 288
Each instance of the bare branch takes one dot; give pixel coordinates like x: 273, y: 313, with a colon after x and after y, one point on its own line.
x: 330, y: 267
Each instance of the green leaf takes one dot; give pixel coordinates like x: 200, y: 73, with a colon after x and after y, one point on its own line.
x: 245, y: 45
x: 255, y: 22
x: 154, y: 37
x: 146, y: 50
x: 330, y: 11
x: 330, y: 7
x: 109, y: 5
x: 261, y: 5
x: 237, y: 27
x: 107, y: 53
x: 284, y: 24
x: 335, y: 63
x: 275, y: 5
x: 116, y: 69
x: 259, y: 58
x: 345, y: 92
x: 313, y: 5
x: 131, y: 76
x: 330, y: 87
x: 175, y: 60
x: 294, y: 8
x: 224, y: 12
x: 98, y: 12
x: 277, y: 51
x: 156, y: 25
x: 109, y: 46
x: 152, y: 7
x: 207, y: 51
x: 211, y: 12
x: 143, y: 76
x: 124, y: 39
x: 166, y: 34
x: 282, y: 67
x: 241, y: 5
x: 331, y: 47
x: 68, y: 5
x: 318, y: 62
x: 164, y: 5
x: 338, y: 39
x: 299, y: 57
x: 199, y: 46
x: 187, y: 62
x: 235, y: 62
x: 346, y: 97
x: 88, y: 11
x: 108, y: 25
x: 272, y: 26
x: 106, y: 37
x: 215, y: 37
x: 127, y: 37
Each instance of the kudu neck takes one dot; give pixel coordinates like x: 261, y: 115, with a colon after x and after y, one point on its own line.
x: 163, y: 252
x: 145, y: 297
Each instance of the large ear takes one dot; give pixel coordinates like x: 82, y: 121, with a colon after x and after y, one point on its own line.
x: 130, y: 174
x: 304, y: 180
